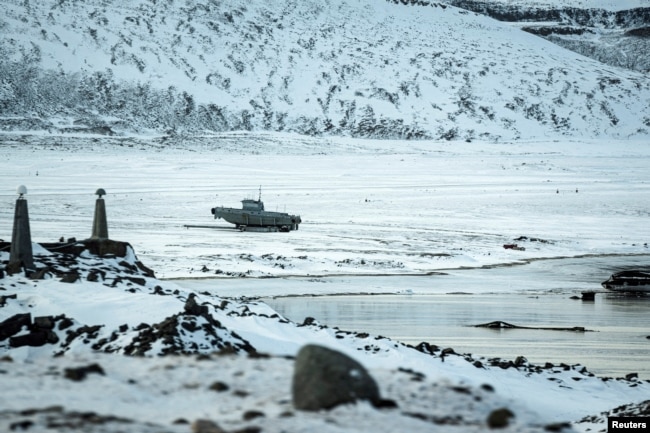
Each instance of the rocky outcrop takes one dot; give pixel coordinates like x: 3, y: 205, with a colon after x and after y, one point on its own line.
x: 20, y: 330
x: 618, y: 38
x: 63, y: 262
x: 192, y: 331
x: 14, y: 324
x: 590, y: 17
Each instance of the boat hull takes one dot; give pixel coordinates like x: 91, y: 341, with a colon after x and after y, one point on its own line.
x: 243, y: 218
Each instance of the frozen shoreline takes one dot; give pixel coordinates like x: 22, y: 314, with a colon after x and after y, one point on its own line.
x: 367, y: 206
x: 332, y: 299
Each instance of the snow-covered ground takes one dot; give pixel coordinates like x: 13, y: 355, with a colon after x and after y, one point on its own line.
x: 368, y: 207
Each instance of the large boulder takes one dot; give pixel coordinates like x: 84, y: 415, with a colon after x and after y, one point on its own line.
x: 324, y: 378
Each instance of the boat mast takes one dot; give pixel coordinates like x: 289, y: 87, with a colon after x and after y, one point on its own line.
x: 260, y: 197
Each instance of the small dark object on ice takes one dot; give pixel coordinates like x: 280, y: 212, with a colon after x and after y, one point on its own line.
x: 588, y: 296
x: 79, y: 373
x: 498, y: 324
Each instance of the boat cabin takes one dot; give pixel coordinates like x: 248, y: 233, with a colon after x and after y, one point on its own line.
x: 253, y: 205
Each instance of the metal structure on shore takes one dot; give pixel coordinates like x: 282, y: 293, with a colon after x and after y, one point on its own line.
x: 253, y: 217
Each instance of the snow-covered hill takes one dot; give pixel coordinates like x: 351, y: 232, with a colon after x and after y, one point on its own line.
x: 613, y: 32
x: 359, y: 68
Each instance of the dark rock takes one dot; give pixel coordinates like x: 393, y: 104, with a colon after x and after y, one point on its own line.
x: 80, y: 373
x: 3, y: 301
x: 427, y: 348
x: 65, y: 323
x: 193, y: 308
x: 386, y: 404
x: 630, y: 376
x: 132, y: 268
x: 180, y: 421
x: 506, y: 364
x: 487, y: 387
x: 324, y: 378
x: 447, y: 351
x: 40, y: 274
x: 308, y: 321
x: 557, y: 427
x: 21, y: 425
x: 85, y: 332
x: 90, y: 330
x: 189, y: 326
x: 70, y: 277
x: 500, y: 418
x: 206, y: 426
x: 33, y: 339
x: 94, y: 275
x: 14, y: 324
x: 44, y: 322
x: 250, y: 429
x: 147, y: 271
x: 137, y: 280
x: 520, y: 361
x: 252, y: 414
x: 219, y: 387
x: 52, y: 338
x: 416, y: 376
x: 461, y: 390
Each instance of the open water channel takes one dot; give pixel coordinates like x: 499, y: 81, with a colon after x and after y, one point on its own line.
x: 615, y: 342
x: 443, y: 309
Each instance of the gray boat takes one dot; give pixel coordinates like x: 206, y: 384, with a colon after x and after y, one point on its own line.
x: 253, y: 217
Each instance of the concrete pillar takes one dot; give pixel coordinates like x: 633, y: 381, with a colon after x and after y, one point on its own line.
x: 21, y: 239
x: 100, y: 226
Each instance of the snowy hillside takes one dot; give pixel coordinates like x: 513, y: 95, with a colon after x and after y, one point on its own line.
x: 613, y: 32
x: 359, y: 68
